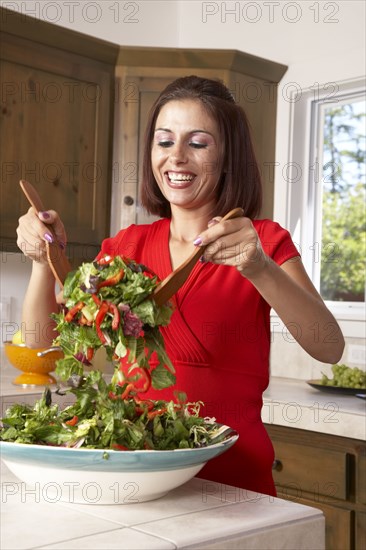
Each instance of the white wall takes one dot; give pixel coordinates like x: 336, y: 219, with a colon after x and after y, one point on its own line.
x: 132, y: 23
x: 321, y: 42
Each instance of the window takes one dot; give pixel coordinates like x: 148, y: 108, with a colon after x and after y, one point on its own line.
x: 338, y: 182
x: 325, y: 194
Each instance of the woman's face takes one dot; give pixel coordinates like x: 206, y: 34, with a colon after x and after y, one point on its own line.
x: 185, y: 154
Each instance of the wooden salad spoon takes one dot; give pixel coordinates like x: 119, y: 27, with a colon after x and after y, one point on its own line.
x: 165, y: 289
x: 56, y: 256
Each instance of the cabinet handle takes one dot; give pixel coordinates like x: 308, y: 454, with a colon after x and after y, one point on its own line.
x: 277, y: 465
x: 128, y: 200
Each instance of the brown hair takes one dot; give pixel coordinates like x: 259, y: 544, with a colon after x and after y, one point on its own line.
x: 240, y: 183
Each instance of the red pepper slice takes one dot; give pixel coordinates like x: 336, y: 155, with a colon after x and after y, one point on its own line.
x: 141, y: 385
x: 158, y: 412
x: 97, y: 300
x: 89, y: 354
x: 116, y: 316
x: 99, y: 319
x: 127, y: 391
x: 119, y: 447
x: 145, y: 375
x: 73, y: 311
x: 72, y: 421
x: 112, y: 280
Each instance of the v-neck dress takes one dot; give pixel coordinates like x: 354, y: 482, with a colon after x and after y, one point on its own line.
x: 219, y: 342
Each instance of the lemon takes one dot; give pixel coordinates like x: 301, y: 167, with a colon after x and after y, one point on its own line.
x: 17, y: 338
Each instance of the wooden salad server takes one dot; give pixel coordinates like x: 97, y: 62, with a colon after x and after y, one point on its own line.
x: 172, y: 283
x: 56, y: 256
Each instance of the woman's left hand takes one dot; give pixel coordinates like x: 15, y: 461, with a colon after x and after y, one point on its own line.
x: 234, y: 242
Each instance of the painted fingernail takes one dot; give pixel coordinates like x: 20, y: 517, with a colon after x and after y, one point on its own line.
x: 62, y: 245
x: 48, y: 237
x: 45, y: 215
x: 212, y: 222
x: 198, y: 241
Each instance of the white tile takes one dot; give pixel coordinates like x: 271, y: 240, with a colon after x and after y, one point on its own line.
x: 27, y: 521
x: 120, y: 539
x: 230, y: 520
x: 186, y: 499
x: 307, y: 535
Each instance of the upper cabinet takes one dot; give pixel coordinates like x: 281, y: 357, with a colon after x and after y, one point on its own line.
x: 56, y: 128
x: 142, y: 73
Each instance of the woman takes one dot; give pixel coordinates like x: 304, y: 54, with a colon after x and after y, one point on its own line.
x: 199, y: 164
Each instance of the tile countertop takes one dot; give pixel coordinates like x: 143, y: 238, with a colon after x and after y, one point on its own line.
x: 199, y: 514
x: 295, y: 404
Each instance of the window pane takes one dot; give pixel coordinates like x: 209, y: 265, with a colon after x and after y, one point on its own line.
x: 342, y: 271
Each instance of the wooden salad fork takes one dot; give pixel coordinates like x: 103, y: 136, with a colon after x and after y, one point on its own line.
x: 172, y: 283
x: 60, y: 265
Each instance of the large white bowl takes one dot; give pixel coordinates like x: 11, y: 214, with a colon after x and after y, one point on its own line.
x: 95, y: 476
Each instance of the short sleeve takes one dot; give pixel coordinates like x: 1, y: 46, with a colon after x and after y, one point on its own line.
x: 276, y: 241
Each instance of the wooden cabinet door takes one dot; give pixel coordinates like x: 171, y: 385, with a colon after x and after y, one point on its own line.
x: 360, y: 542
x: 56, y: 132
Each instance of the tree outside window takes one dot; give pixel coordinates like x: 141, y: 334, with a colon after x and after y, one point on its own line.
x: 341, y: 149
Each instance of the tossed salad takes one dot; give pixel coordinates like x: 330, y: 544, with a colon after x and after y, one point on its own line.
x: 108, y: 305
x: 101, y: 419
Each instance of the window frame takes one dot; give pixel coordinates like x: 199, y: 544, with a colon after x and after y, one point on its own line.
x: 302, y: 216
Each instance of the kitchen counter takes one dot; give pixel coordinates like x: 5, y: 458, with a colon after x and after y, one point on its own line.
x: 295, y: 404
x: 200, y: 514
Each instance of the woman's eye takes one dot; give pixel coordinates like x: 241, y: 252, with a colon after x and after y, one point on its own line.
x: 196, y: 145
x: 165, y: 143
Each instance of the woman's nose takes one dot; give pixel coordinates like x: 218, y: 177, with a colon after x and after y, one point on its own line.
x: 178, y: 153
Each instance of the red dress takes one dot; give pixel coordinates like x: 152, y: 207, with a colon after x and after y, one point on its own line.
x: 218, y: 340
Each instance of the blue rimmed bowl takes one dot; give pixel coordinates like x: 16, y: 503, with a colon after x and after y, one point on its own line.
x: 96, y: 476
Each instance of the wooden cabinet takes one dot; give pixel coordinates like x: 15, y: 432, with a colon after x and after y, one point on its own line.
x: 56, y: 128
x: 142, y: 73
x: 327, y: 472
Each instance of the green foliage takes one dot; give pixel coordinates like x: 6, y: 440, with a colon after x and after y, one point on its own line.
x: 343, y: 246
x: 343, y: 208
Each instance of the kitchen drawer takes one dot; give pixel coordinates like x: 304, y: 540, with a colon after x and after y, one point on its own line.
x: 323, y: 475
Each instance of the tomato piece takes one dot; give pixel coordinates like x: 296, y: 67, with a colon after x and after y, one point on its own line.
x: 73, y: 311
x: 74, y: 420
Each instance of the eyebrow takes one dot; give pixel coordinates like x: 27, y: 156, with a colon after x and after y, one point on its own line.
x: 197, y: 131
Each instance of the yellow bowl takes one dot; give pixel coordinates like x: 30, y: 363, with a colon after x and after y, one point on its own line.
x: 35, y: 369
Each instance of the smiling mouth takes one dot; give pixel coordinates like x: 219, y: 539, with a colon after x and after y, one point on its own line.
x: 179, y: 179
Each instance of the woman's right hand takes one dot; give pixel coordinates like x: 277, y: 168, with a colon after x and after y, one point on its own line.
x: 33, y: 233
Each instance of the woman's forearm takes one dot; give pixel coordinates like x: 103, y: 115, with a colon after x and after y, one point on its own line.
x: 39, y: 303
x: 301, y: 309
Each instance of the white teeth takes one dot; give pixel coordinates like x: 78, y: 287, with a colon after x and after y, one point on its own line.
x: 179, y: 177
